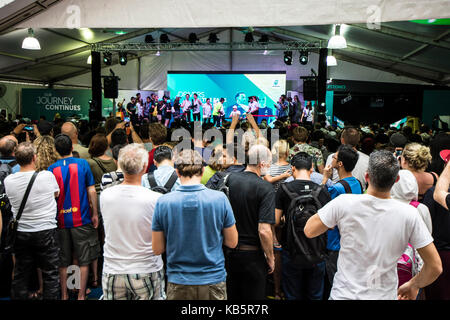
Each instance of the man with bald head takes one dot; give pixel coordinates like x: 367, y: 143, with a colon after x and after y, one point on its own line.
x: 7, y: 147
x: 71, y: 130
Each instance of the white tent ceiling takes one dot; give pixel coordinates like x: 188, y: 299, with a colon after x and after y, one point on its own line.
x: 228, y: 13
x: 396, y: 51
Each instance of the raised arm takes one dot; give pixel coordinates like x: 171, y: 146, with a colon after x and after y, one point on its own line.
x: 230, y: 132
x: 254, y: 125
x: 441, y: 191
x: 134, y: 135
x: 120, y: 125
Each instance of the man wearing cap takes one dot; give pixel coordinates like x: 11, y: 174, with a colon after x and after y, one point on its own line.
x: 235, y: 112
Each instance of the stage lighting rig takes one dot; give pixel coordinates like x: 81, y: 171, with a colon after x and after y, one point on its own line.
x: 288, y: 57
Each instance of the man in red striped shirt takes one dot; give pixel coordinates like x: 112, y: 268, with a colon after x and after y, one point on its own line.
x: 77, y: 214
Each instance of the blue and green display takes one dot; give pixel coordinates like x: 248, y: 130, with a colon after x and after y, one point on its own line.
x: 235, y: 87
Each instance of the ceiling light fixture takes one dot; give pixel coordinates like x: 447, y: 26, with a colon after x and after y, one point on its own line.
x: 30, y: 42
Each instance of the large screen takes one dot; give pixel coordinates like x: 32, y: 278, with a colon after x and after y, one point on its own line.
x: 235, y: 87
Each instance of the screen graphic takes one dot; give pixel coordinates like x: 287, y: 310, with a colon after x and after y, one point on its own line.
x: 235, y: 87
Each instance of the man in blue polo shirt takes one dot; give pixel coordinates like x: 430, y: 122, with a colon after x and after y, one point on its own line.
x: 191, y: 224
x: 344, y: 161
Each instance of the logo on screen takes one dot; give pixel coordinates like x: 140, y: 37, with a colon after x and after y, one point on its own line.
x: 276, y: 84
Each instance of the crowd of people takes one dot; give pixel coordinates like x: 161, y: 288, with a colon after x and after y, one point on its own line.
x: 190, y: 109
x: 317, y: 213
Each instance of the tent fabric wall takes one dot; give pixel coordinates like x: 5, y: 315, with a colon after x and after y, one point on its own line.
x: 231, y: 13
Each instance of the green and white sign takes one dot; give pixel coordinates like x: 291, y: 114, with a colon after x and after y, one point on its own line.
x: 65, y: 102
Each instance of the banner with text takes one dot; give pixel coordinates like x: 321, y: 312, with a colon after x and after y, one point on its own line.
x: 65, y: 102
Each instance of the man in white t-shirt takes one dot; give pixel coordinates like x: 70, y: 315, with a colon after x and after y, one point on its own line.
x: 351, y: 136
x: 131, y: 271
x: 375, y: 231
x: 235, y: 112
x: 36, y: 242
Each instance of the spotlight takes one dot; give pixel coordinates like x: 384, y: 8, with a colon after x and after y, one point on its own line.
x: 149, y: 38
x: 249, y: 37
x: 107, y: 58
x: 89, y: 59
x: 264, y: 38
x: 123, y: 58
x: 164, y: 38
x: 303, y: 59
x: 158, y: 53
x: 288, y: 57
x: 30, y: 42
x: 331, y: 61
x: 213, y: 38
x: 337, y: 41
x: 193, y: 38
x: 265, y: 52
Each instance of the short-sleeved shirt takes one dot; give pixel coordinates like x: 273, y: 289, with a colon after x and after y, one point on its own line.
x: 127, y: 212
x: 218, y: 109
x: 374, y: 234
x: 299, y: 187
x: 74, y: 176
x: 313, y: 152
x: 333, y: 236
x: 440, y: 218
x: 39, y: 213
x: 276, y: 170
x: 253, y: 202
x: 192, y: 219
x: 162, y: 175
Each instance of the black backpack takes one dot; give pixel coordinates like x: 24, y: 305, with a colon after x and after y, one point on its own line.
x: 302, y: 250
x: 5, y: 206
x: 223, y: 185
x: 167, y: 187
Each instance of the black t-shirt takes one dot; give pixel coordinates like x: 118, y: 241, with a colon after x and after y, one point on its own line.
x: 283, y: 201
x: 131, y: 108
x: 440, y: 219
x: 253, y: 202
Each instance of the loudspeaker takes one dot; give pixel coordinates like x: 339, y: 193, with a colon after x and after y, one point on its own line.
x: 110, y: 87
x: 310, y: 89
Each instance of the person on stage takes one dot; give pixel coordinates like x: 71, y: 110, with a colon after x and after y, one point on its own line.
x: 235, y: 112
x: 176, y: 110
x: 282, y: 108
x: 253, y: 106
x: 207, y: 111
x: 167, y: 111
x: 196, y: 104
x: 241, y: 100
x: 186, y: 106
x: 218, y: 112
x: 132, y: 111
x: 308, y: 114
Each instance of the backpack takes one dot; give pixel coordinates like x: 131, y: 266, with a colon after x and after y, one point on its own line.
x: 5, y: 206
x: 301, y: 249
x: 166, y: 188
x: 223, y: 187
x: 347, y: 187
